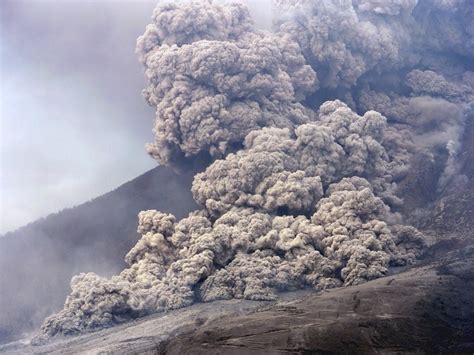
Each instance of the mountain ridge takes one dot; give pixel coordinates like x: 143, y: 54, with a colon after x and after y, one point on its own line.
x: 91, y: 237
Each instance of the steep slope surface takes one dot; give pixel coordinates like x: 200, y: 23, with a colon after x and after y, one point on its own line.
x: 37, y: 261
x: 428, y: 308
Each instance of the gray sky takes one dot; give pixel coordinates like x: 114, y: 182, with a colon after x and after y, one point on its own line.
x: 73, y: 121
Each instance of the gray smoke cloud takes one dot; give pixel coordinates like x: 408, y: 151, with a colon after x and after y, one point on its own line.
x: 279, y: 168
x: 344, y: 40
x: 213, y: 79
x: 244, y: 253
x: 299, y: 194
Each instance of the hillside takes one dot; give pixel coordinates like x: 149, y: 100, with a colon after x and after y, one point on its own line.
x: 426, y: 309
x: 37, y: 261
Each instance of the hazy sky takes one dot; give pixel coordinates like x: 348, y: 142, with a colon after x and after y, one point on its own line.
x: 73, y: 121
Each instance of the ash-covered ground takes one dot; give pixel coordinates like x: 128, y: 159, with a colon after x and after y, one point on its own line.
x: 428, y: 308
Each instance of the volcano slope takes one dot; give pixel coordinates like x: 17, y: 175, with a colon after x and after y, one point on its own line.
x: 332, y: 140
x: 74, y: 240
x: 428, y: 307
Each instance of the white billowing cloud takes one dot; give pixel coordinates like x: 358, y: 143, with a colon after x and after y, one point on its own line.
x: 279, y: 168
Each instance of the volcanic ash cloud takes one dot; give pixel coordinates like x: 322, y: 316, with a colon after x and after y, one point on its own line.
x: 299, y: 194
x: 213, y: 79
x: 292, y: 209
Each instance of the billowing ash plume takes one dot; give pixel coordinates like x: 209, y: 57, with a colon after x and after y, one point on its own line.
x: 301, y: 193
x: 244, y: 253
x: 283, y: 169
x: 292, y: 209
x: 345, y: 39
x: 394, y: 57
x: 213, y: 79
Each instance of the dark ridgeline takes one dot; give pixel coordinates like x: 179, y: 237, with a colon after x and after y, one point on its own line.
x: 37, y: 261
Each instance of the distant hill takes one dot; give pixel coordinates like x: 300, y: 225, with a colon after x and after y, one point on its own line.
x: 37, y: 261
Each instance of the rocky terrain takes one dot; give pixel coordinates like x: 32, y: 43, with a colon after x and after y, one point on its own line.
x: 428, y: 308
